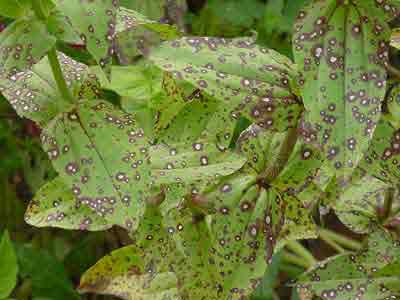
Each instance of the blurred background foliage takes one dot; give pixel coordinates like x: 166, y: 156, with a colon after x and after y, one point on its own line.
x: 50, y: 261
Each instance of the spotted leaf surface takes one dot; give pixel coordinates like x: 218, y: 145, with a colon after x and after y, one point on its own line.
x: 60, y: 27
x: 55, y: 205
x: 23, y: 44
x: 248, y: 80
x: 130, y: 274
x: 34, y: 94
x: 95, y: 22
x: 341, y: 47
x: 357, y: 205
x: 301, y: 169
x: 382, y: 158
x: 136, y: 34
x: 110, y: 180
x: 260, y: 146
x: 182, y: 163
x: 188, y: 125
x: 145, y: 270
x: 352, y: 276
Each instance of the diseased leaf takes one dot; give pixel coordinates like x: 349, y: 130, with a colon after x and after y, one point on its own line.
x: 200, y: 161
x: 140, y: 271
x: 84, y: 15
x: 248, y: 80
x: 382, y: 158
x: 357, y: 204
x: 301, y: 169
x: 349, y: 276
x: 188, y: 125
x: 260, y: 146
x: 9, y: 266
x: 341, y: 46
x: 22, y: 44
x: 55, y: 205
x: 34, y: 94
x: 101, y: 154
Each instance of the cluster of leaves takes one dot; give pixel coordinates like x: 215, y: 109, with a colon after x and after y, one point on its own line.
x: 218, y: 149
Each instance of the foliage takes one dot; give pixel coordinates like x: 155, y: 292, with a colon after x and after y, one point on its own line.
x: 198, y: 152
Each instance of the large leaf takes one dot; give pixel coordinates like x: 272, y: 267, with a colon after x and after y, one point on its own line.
x: 248, y: 80
x: 23, y: 44
x: 101, y: 154
x: 341, y: 48
x: 55, y: 205
x: 34, y: 94
x: 95, y: 22
x: 9, y: 266
x: 349, y: 276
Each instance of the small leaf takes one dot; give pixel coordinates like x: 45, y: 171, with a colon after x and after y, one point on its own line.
x: 22, y: 44
x: 348, y: 276
x: 341, y: 48
x: 136, y: 34
x: 95, y: 22
x: 54, y: 205
x: 249, y: 81
x: 49, y: 279
x: 9, y: 266
x: 112, y: 181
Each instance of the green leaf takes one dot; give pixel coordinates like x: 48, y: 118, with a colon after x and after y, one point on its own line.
x: 349, y: 276
x: 33, y: 93
x: 14, y: 9
x: 95, y: 22
x: 54, y: 205
x: 23, y: 44
x: 49, y: 279
x: 342, y: 56
x: 101, y: 154
x: 249, y: 81
x: 9, y: 266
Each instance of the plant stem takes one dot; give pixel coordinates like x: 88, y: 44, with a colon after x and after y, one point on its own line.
x: 302, y: 252
x: 339, y: 239
x: 285, y: 151
x: 52, y: 56
x: 392, y: 70
x: 387, y: 206
x: 58, y: 75
x: 295, y: 260
x: 332, y: 243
